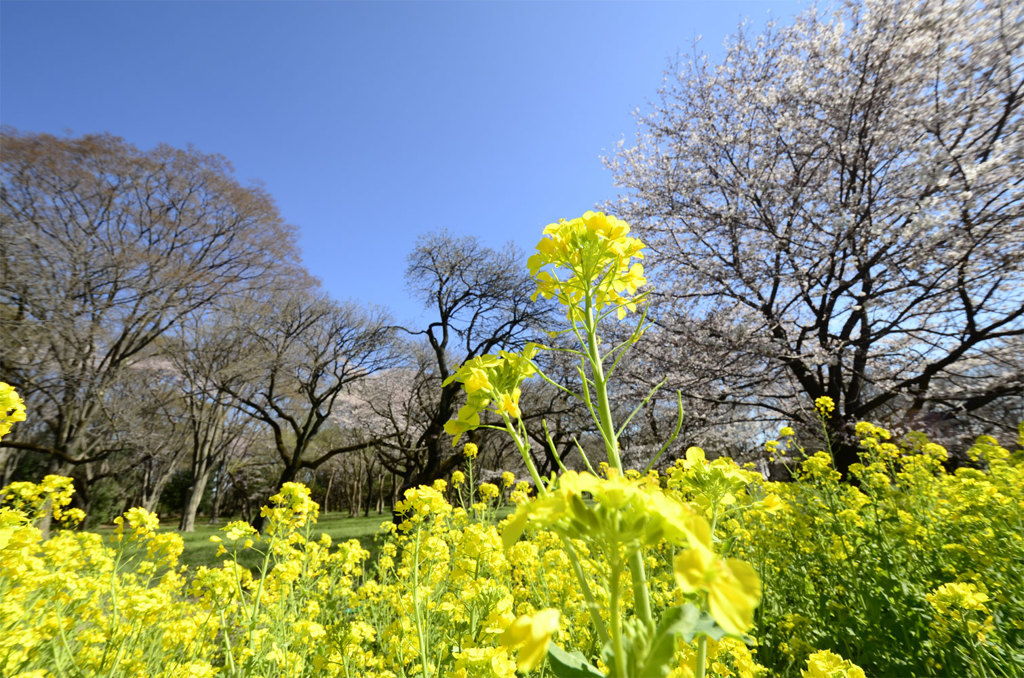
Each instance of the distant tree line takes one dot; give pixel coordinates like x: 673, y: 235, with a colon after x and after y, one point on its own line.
x: 173, y: 352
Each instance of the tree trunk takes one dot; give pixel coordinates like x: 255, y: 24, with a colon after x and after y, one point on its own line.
x: 195, y: 497
x: 154, y: 484
x: 369, y: 490
x: 845, y: 453
x: 218, y: 494
x: 380, y: 492
x: 9, y: 458
x: 327, y: 494
x: 355, y: 496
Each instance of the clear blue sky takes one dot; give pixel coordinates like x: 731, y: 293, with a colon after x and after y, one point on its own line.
x: 369, y: 122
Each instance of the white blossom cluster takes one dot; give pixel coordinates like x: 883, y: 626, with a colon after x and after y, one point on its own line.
x: 836, y: 209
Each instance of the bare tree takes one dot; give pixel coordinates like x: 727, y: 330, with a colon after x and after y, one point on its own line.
x: 202, y: 357
x: 300, y: 353
x: 146, y: 409
x: 835, y: 211
x: 105, y: 247
x: 480, y: 303
x: 399, y: 401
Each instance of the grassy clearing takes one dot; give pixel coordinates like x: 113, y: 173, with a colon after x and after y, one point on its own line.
x: 199, y: 550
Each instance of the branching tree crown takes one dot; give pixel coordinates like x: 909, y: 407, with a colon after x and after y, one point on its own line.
x: 479, y: 301
x: 105, y: 247
x: 837, y: 211
x: 300, y: 354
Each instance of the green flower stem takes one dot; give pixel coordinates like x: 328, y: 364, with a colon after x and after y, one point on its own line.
x: 524, y: 450
x: 416, y: 604
x: 114, y: 611
x: 604, y: 409
x: 588, y: 595
x: 641, y: 596
x: 264, y: 570
x: 702, y: 655
x: 64, y: 641
x: 545, y: 377
x: 615, y: 614
x: 229, y: 651
x: 551, y: 446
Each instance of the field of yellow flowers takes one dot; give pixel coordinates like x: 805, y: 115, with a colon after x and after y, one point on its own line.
x: 702, y: 569
x: 917, y: 572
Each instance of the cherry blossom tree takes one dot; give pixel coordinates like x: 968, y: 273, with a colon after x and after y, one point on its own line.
x: 835, y: 210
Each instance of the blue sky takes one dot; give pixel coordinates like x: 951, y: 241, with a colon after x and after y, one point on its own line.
x: 368, y: 122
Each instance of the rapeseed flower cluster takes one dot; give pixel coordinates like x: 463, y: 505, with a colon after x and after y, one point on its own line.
x: 960, y: 610
x: 589, y: 260
x: 33, y: 501
x: 77, y: 603
x: 12, y: 408
x: 490, y: 381
x: 826, y: 664
x: 913, y: 546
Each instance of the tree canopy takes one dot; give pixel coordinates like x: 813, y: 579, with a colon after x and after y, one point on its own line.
x: 835, y: 210
x: 106, y: 247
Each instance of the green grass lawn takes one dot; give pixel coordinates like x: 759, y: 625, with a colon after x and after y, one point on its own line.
x: 199, y: 550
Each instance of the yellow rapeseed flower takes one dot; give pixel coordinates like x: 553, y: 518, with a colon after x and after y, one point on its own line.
x: 826, y: 664
x: 957, y: 595
x: 590, y: 257
x: 509, y: 403
x: 488, y: 490
x: 12, y: 408
x: 490, y: 381
x: 733, y: 587
x: 476, y: 380
x: 530, y: 634
x: 825, y: 406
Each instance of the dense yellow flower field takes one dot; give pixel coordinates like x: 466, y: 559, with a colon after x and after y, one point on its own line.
x: 454, y: 593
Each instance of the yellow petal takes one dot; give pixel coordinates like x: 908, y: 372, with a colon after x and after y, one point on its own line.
x: 514, y: 528
x: 530, y: 656
x: 691, y: 569
x: 733, y: 595
x: 477, y: 381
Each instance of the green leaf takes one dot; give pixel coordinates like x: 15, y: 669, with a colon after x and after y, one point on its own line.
x: 570, y: 664
x: 686, y: 621
x: 706, y: 625
x: 674, y: 621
